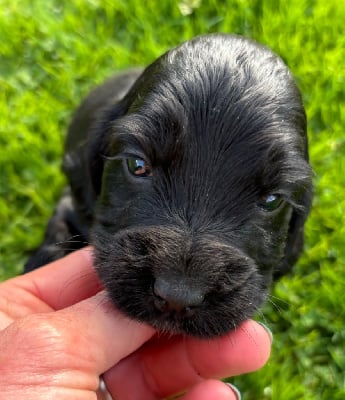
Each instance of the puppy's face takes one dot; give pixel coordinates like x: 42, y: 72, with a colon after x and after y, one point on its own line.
x: 205, y: 183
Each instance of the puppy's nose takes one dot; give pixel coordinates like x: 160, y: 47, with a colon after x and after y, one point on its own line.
x: 176, y: 296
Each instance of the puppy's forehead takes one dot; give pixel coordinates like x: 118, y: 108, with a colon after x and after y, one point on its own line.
x: 218, y: 88
x: 208, y: 64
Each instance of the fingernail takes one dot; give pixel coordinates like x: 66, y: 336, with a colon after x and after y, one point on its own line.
x: 235, y: 390
x: 268, y: 330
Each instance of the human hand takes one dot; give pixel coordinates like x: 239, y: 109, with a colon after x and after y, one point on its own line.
x: 59, y: 334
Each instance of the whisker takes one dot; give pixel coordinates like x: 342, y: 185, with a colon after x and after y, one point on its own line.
x: 71, y: 240
x: 279, y: 299
x: 262, y: 315
x: 275, y: 305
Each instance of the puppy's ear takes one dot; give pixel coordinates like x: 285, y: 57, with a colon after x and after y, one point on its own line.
x: 87, y: 140
x: 295, y: 238
x: 83, y: 160
x: 110, y: 101
x: 98, y: 144
x: 294, y: 245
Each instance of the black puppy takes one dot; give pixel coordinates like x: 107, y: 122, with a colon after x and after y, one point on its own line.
x: 191, y: 180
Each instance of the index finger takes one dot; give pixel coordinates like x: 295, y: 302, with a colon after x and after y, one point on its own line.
x: 59, y: 284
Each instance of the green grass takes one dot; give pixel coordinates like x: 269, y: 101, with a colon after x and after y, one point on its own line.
x: 53, y: 51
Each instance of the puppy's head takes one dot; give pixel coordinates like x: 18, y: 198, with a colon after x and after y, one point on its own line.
x: 205, y: 186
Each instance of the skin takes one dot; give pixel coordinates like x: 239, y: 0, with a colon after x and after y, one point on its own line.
x: 59, y: 333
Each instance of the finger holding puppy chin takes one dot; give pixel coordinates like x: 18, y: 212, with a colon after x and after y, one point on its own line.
x: 64, y: 353
x: 164, y: 366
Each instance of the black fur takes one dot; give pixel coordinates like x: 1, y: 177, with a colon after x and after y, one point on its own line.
x: 191, y: 249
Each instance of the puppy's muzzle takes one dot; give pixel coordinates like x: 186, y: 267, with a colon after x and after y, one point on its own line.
x: 180, y: 281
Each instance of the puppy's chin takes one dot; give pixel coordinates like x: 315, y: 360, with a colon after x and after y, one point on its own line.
x: 198, y: 286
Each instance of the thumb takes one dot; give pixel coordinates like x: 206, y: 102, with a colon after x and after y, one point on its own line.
x: 67, y: 349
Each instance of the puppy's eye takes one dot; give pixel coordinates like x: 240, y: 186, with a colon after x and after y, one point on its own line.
x: 139, y: 167
x: 271, y: 202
